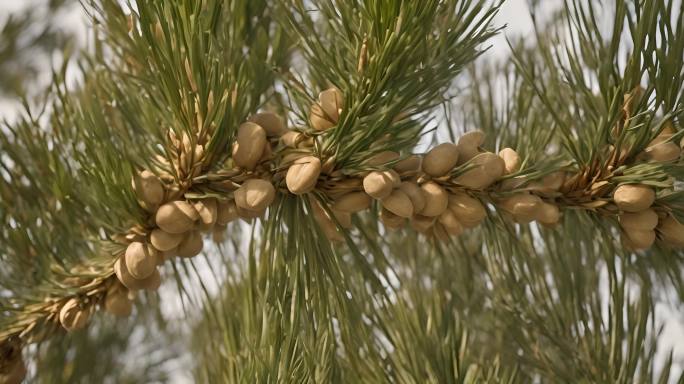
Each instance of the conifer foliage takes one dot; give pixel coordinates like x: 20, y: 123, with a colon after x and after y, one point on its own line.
x: 257, y: 161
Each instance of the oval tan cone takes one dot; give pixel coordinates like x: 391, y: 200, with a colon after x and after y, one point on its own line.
x: 486, y: 169
x: 421, y: 223
x: 226, y: 212
x: 410, y: 164
x: 249, y: 145
x: 511, y: 160
x: 164, y: 241
x: 149, y: 188
x: 326, y: 224
x: 332, y: 102
x: 176, y: 216
x: 255, y: 195
x: 151, y: 283
x: 639, y: 240
x: 644, y: 220
x: 117, y: 303
x: 672, y: 231
x: 468, y: 145
x: 390, y: 220
x: 247, y: 215
x: 523, y: 206
x: 292, y: 138
x: 121, y: 271
x: 379, y: 184
x: 415, y: 193
x: 141, y: 259
x: 662, y: 152
x: 398, y: 203
x: 633, y: 197
x: 549, y: 214
x: 554, y: 181
x: 270, y: 122
x: 303, y: 175
x: 450, y: 222
x: 318, y: 119
x: 440, y: 159
x: 72, y: 317
x: 469, y: 210
x: 353, y: 202
x: 344, y: 219
x: 208, y: 212
x: 436, y: 199
x: 191, y: 245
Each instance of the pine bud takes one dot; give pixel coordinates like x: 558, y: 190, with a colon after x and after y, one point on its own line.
x: 191, y: 245
x: 382, y: 158
x: 409, y: 165
x: 303, y: 175
x: 344, y: 219
x: 644, y: 220
x: 267, y: 154
x: 633, y: 197
x: 379, y: 184
x: 415, y: 193
x: 226, y: 212
x: 176, y: 216
x: 332, y: 102
x: 72, y: 316
x: 549, y: 214
x: 554, y: 181
x: 152, y: 282
x: 672, y: 231
x: 469, y: 210
x: 254, y: 195
x: 121, y: 271
x: 148, y: 188
x: 440, y: 159
x: 468, y: 145
x: 318, y: 119
x: 390, y: 220
x: 523, y: 206
x: 662, y: 153
x: 352, y: 202
x: 141, y: 259
x: 398, y: 203
x: 164, y: 241
x: 247, y: 215
x: 249, y: 145
x: 639, y: 239
x: 511, y: 160
x: 421, y: 223
x: 208, y: 212
x: 116, y: 301
x: 292, y: 139
x: 486, y: 169
x: 270, y: 122
x: 326, y: 224
x: 451, y: 224
x: 436, y: 199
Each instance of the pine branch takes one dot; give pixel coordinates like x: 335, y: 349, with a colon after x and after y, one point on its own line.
x: 198, y: 87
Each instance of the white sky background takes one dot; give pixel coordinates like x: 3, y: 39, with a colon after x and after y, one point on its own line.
x: 514, y: 13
